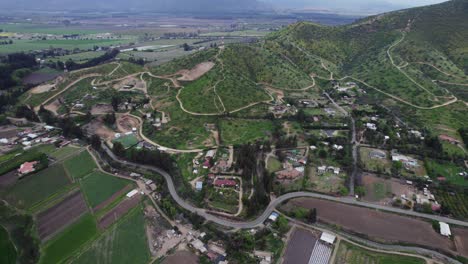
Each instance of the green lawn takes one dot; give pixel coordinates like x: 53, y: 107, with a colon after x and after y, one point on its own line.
x: 69, y: 241
x: 127, y: 141
x: 448, y: 170
x: 274, y: 165
x: 352, y: 254
x: 99, y: 186
x: 124, y: 243
x: 80, y: 165
x: 37, y: 187
x: 239, y: 131
x: 7, y: 249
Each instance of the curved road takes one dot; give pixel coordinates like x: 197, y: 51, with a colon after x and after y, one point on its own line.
x: 271, y: 207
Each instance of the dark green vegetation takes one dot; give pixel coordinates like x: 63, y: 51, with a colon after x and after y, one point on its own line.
x: 352, y: 254
x: 7, y: 248
x: 64, y: 245
x: 128, y: 243
x: 99, y: 186
x: 18, y: 243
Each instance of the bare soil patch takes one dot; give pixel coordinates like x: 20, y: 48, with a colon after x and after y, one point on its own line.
x: 381, y: 190
x: 300, y: 246
x: 112, y: 198
x: 42, y: 88
x: 461, y: 240
x: 113, y: 215
x: 8, y: 131
x: 8, y: 179
x: 377, y: 225
x: 97, y: 127
x: 184, y: 256
x: 101, y: 109
x: 125, y: 123
x: 196, y: 72
x: 60, y: 215
x: 54, y: 106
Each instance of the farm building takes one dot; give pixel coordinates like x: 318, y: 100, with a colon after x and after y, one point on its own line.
x: 199, y: 186
x: 449, y: 139
x: 273, y: 216
x: 132, y: 193
x: 377, y: 154
x: 27, y: 167
x: 445, y: 229
x: 328, y: 238
x: 225, y: 183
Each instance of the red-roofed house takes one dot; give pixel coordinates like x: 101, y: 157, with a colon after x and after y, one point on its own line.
x: 225, y: 183
x: 27, y: 167
x: 449, y: 139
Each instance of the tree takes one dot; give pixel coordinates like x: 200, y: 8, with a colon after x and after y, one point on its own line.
x: 110, y: 119
x: 119, y: 149
x: 186, y: 47
x: 312, y: 217
x: 95, y: 141
x: 396, y: 168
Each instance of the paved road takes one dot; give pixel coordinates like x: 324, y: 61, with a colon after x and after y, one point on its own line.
x: 259, y: 220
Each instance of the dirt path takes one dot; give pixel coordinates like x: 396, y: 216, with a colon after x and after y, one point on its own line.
x: 438, y: 69
x: 67, y: 87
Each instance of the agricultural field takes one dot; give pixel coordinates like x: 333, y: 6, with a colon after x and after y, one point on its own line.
x: 99, y: 186
x: 7, y: 248
x: 80, y: 165
x: 240, y: 131
x: 300, y: 246
x: 125, y: 242
x: 69, y: 241
x: 381, y: 226
x: 45, y: 29
x: 60, y: 215
x: 78, y: 57
x: 352, y: 254
x: 64, y: 152
x: 32, y: 45
x: 455, y: 202
x: 37, y: 187
x: 445, y: 169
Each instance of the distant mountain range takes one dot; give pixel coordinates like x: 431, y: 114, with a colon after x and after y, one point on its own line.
x: 185, y: 6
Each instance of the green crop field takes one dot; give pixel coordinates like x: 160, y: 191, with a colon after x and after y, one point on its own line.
x: 99, y: 186
x: 45, y: 29
x: 69, y: 241
x: 37, y: 187
x: 78, y: 57
x: 32, y: 45
x: 123, y: 243
x: 448, y: 170
x: 239, y: 131
x: 7, y: 249
x: 352, y: 254
x: 80, y: 165
x: 64, y: 152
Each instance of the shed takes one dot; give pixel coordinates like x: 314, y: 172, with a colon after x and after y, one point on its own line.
x: 327, y: 237
x: 132, y: 193
x: 445, y: 229
x: 199, y: 186
x: 273, y: 216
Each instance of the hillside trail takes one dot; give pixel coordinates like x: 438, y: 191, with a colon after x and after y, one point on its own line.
x: 438, y: 69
